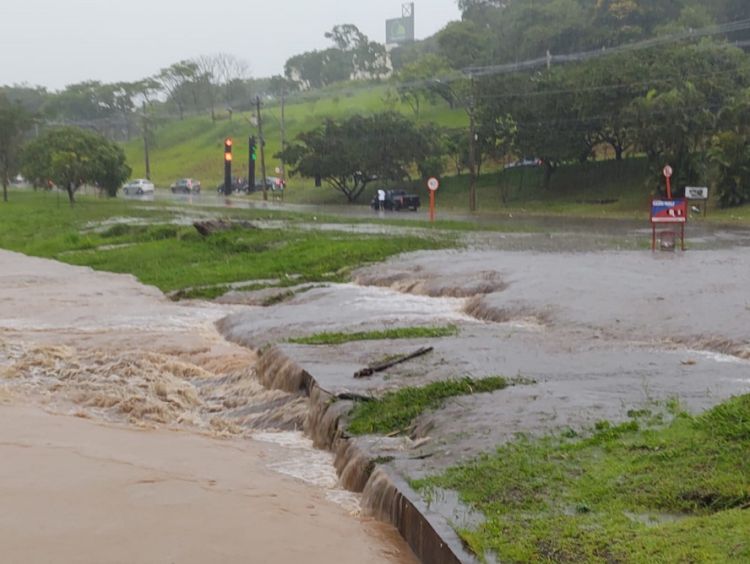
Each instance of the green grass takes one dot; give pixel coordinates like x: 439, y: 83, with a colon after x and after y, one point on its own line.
x: 397, y: 333
x: 174, y: 257
x: 629, y: 493
x: 193, y: 147
x: 396, y: 410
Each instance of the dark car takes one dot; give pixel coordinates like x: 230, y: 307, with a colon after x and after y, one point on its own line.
x: 186, y: 186
x: 273, y: 183
x: 239, y: 184
x: 397, y: 200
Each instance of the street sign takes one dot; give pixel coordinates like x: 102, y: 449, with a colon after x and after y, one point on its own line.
x: 433, y: 184
x: 669, y: 211
x: 696, y: 192
x: 668, y: 171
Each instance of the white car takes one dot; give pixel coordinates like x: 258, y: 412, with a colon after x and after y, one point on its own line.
x: 138, y: 186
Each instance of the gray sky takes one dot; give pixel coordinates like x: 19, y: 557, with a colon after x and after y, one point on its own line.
x: 53, y: 43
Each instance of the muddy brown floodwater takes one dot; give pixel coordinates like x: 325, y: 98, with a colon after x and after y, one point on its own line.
x: 131, y: 431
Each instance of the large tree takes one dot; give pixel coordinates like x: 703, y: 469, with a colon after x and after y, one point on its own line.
x: 351, y: 153
x: 14, y: 122
x: 71, y: 157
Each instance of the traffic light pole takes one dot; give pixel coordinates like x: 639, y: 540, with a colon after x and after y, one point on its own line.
x: 251, y: 164
x: 262, y: 150
x: 227, y: 166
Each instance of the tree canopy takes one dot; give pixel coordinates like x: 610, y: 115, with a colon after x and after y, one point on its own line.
x: 350, y: 154
x: 71, y: 157
x: 14, y: 122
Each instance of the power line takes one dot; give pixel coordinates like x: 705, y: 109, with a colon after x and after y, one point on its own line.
x: 531, y: 64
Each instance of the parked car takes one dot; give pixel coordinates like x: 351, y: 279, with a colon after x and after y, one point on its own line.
x: 138, y: 186
x: 272, y: 183
x: 186, y: 186
x: 239, y: 184
x: 397, y: 200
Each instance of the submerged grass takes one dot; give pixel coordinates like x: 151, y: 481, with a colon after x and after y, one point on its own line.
x: 142, y: 240
x: 678, y: 493
x: 396, y: 410
x: 396, y: 333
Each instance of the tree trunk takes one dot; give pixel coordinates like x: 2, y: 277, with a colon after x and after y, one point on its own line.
x: 70, y: 194
x: 619, y: 149
x: 5, y: 189
x: 548, y: 170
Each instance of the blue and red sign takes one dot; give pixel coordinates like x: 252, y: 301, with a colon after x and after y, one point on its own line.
x: 669, y: 211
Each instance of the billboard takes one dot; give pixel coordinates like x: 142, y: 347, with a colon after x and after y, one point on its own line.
x: 401, y: 30
x: 669, y: 211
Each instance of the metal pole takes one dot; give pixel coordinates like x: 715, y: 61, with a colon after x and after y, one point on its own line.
x: 262, y: 150
x: 283, y: 133
x: 472, y: 155
x: 145, y: 143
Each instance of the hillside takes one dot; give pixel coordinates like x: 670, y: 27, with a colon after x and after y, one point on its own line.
x: 193, y: 147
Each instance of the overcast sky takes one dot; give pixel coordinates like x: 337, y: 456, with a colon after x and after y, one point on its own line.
x: 53, y: 43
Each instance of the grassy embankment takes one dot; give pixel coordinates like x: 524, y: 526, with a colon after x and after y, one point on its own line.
x: 397, y: 410
x: 643, y: 492
x: 141, y: 240
x: 193, y: 147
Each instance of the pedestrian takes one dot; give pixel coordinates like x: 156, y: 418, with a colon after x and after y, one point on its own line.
x: 381, y: 199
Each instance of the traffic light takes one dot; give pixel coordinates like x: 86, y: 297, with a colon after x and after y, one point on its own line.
x: 228, y: 149
x: 228, y: 166
x: 251, y: 165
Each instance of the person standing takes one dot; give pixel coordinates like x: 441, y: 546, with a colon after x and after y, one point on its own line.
x: 381, y: 199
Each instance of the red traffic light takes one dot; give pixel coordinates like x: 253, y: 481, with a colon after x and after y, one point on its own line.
x: 228, y: 149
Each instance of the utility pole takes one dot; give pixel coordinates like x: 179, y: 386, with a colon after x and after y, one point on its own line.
x: 472, y: 151
x: 262, y: 142
x: 145, y: 142
x: 283, y: 133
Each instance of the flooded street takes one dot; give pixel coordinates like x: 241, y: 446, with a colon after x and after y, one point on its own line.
x: 116, y: 402
x: 126, y: 416
x: 588, y: 336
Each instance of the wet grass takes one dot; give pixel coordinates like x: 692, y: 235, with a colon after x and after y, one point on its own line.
x: 395, y: 333
x: 174, y: 257
x: 397, y: 410
x: 678, y: 492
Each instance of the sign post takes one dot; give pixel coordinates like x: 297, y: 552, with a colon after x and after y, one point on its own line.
x: 668, y: 175
x: 433, y: 184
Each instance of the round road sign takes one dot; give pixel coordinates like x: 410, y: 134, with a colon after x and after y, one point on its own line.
x: 433, y: 183
x: 668, y: 171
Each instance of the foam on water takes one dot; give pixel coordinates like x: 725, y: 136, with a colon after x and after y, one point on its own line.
x: 719, y: 357
x: 302, y: 461
x: 379, y: 301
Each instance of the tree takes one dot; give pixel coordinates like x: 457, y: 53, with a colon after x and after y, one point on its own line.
x: 14, y: 122
x: 676, y: 117
x: 352, y: 153
x: 419, y: 80
x: 729, y: 153
x: 71, y: 157
x: 353, y: 56
x: 180, y: 81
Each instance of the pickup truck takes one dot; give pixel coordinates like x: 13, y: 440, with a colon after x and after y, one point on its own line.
x: 397, y: 200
